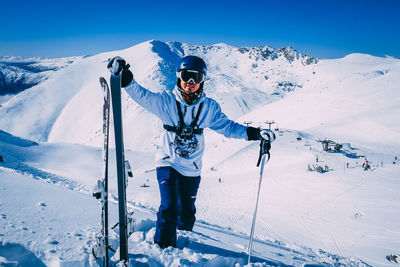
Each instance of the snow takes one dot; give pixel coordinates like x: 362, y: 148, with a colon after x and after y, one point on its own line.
x: 50, y: 142
x: 18, y: 73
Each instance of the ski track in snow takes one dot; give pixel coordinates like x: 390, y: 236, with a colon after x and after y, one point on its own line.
x: 207, y: 245
x: 210, y: 245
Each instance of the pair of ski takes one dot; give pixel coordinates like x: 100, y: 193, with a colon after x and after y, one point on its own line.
x: 101, y: 248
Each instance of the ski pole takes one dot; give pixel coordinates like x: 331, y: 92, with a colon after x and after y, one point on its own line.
x: 264, y: 151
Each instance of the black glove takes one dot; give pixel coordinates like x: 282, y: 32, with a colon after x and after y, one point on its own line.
x: 118, y: 65
x: 254, y: 134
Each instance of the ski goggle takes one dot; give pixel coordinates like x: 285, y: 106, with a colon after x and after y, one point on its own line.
x: 190, y: 75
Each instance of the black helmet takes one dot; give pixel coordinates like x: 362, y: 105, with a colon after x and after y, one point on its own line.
x: 195, y: 69
x: 192, y: 63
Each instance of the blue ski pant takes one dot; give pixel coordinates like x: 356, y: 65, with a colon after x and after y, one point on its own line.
x: 177, y: 209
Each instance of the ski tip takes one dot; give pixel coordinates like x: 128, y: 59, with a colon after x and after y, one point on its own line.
x: 102, y: 81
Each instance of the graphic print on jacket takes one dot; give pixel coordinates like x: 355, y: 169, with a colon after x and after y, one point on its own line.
x: 185, y: 142
x: 185, y: 147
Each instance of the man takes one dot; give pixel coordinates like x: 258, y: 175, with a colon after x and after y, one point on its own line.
x: 185, y: 112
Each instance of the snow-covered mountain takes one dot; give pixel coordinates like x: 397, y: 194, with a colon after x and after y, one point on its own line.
x: 241, y: 78
x: 343, y: 217
x: 19, y: 73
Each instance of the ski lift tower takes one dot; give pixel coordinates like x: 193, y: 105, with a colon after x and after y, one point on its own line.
x: 270, y: 123
x: 325, y: 144
x: 247, y: 123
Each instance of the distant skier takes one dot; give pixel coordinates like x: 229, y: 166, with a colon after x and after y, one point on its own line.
x: 185, y: 112
x: 366, y: 166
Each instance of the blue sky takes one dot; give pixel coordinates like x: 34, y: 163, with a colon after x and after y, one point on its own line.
x: 321, y: 28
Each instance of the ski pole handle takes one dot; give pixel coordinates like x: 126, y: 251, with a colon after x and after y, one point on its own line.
x: 265, y: 146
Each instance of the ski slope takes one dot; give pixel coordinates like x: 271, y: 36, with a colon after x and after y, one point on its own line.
x: 50, y: 141
x: 55, y: 225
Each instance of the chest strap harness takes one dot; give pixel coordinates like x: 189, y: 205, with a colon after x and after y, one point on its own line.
x: 183, y: 131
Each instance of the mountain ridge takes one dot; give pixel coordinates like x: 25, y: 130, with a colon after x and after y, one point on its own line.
x: 241, y: 79
x: 156, y: 71
x: 20, y: 73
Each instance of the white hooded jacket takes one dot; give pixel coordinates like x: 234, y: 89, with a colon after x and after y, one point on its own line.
x: 163, y: 105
